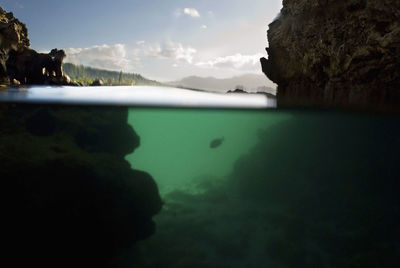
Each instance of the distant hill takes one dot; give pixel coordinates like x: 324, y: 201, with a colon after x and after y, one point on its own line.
x: 86, y: 75
x: 248, y: 82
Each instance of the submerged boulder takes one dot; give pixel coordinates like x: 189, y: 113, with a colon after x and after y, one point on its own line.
x: 72, y: 200
x: 336, y: 53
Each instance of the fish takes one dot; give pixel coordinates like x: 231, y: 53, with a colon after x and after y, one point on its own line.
x: 216, y: 142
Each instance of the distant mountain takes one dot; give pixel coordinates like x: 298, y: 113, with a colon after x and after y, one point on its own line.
x: 248, y: 82
x: 86, y: 75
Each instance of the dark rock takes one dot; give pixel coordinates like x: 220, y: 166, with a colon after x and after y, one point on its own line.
x: 103, y: 134
x: 238, y: 90
x: 269, y: 95
x: 20, y: 63
x: 97, y: 82
x: 71, y: 201
x: 336, y: 53
x: 13, y: 36
x: 41, y: 123
x: 339, y: 175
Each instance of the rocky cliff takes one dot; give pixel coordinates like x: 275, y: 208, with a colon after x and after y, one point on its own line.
x: 21, y: 65
x: 336, y: 52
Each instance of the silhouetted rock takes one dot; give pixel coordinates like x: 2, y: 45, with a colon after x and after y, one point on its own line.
x: 21, y: 65
x: 269, y: 95
x: 72, y: 199
x: 336, y: 52
x: 238, y: 90
x: 13, y: 36
x: 97, y: 82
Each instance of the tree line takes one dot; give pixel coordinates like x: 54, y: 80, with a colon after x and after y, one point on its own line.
x: 87, y: 75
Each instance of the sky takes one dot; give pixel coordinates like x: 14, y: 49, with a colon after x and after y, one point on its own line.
x: 164, y: 40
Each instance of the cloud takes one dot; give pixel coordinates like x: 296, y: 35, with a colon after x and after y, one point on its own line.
x: 169, y: 50
x: 204, y: 27
x: 234, y: 62
x: 192, y: 12
x: 104, y: 57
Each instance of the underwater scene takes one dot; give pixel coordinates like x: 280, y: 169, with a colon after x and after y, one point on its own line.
x: 281, y: 189
x: 103, y: 186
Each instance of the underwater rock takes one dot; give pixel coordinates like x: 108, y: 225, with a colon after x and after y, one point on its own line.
x: 20, y: 63
x: 336, y: 174
x: 72, y: 201
x: 336, y: 53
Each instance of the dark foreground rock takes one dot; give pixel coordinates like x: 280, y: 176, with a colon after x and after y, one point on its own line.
x: 71, y: 200
x: 336, y: 53
x: 21, y: 65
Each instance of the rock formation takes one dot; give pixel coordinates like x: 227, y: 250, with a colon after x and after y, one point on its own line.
x: 21, y: 65
x: 336, y: 52
x: 70, y: 197
x: 334, y: 180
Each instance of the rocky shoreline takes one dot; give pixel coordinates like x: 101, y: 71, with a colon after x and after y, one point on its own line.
x: 20, y: 64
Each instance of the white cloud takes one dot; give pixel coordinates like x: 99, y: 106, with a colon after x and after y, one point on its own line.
x: 104, y: 57
x: 169, y: 50
x: 192, y: 12
x: 234, y: 62
x: 204, y: 27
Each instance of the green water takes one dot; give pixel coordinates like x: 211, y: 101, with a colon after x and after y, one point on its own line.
x: 175, y: 144
x: 285, y: 188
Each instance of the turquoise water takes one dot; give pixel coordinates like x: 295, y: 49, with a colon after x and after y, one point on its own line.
x: 175, y: 144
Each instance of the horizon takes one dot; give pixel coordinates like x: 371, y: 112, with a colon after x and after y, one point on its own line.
x: 246, y: 82
x: 181, y: 78
x: 161, y: 41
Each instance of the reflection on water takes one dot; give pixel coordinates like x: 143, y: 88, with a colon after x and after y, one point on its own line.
x: 283, y: 188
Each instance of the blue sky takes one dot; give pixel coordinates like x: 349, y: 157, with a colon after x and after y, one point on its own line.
x: 161, y: 39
